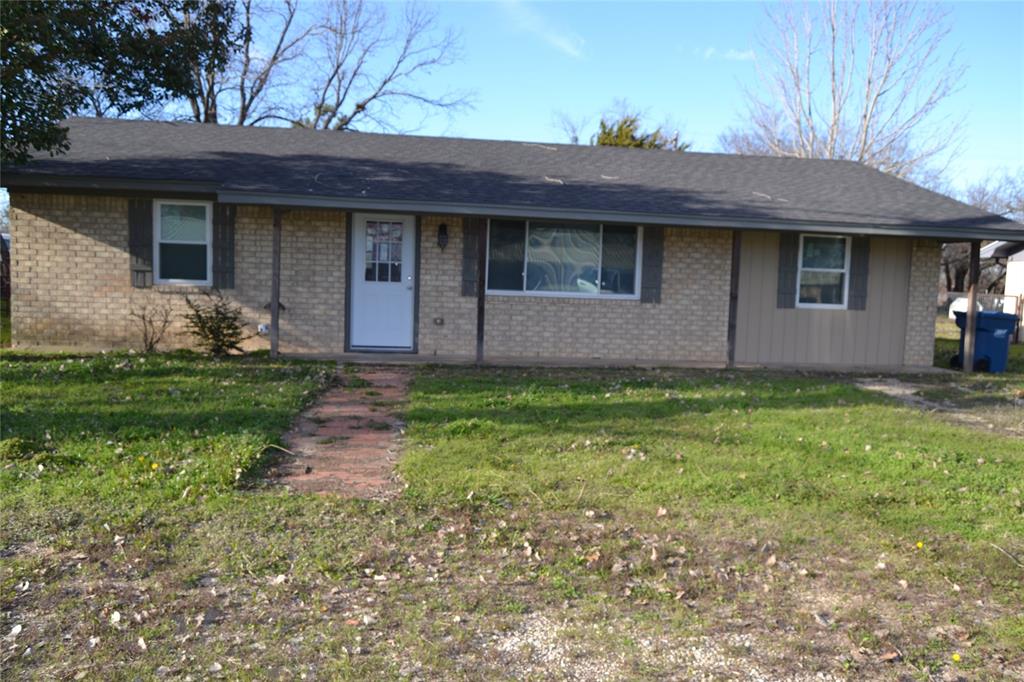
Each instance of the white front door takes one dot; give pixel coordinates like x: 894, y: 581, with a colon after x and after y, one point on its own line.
x: 383, y: 265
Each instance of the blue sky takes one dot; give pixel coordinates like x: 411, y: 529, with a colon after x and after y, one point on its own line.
x: 688, y: 63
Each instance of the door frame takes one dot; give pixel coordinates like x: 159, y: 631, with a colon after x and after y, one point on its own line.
x: 347, y: 264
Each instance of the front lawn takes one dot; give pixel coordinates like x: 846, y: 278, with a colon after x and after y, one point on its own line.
x: 570, y: 524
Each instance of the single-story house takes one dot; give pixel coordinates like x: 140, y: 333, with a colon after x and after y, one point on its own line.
x: 497, y: 250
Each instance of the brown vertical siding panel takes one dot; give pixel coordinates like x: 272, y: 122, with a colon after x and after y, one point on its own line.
x: 777, y: 320
x: 884, y: 312
x: 874, y: 336
x: 761, y: 278
x: 898, y: 318
x: 748, y: 311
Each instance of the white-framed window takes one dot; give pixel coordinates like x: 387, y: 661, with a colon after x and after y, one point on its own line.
x: 549, y: 258
x: 183, y: 242
x: 823, y: 274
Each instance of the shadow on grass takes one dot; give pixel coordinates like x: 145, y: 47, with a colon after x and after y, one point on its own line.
x: 131, y: 397
x: 472, y: 399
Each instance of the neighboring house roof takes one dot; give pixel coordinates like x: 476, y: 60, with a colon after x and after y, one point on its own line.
x: 366, y: 171
x: 1001, y: 249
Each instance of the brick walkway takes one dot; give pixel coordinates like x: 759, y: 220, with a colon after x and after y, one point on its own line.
x: 347, y: 442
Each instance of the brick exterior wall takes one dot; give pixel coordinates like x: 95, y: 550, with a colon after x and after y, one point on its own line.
x: 919, y: 347
x: 447, y: 324
x: 688, y: 326
x: 71, y: 288
x: 71, y: 284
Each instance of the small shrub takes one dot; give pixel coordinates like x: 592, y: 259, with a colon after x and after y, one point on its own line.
x: 217, y: 324
x: 153, y: 320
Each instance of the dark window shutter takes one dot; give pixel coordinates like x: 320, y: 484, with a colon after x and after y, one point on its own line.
x: 224, y: 246
x: 473, y: 230
x: 859, y: 256
x: 140, y: 241
x: 653, y: 256
x: 789, y: 252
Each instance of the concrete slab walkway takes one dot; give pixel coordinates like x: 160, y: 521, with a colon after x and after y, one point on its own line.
x: 348, y: 441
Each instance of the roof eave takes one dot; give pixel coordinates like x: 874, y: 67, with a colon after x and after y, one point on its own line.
x: 16, y: 180
x: 670, y: 220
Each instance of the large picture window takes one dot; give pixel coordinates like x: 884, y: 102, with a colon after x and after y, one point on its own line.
x: 563, y: 259
x: 182, y: 246
x: 824, y: 273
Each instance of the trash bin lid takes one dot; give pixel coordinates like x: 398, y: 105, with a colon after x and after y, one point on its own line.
x: 996, y: 315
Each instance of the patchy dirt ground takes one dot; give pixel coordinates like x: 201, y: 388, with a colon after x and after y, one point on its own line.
x: 972, y: 401
x: 533, y: 594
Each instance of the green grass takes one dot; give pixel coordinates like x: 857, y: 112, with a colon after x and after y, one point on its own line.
x: 817, y: 451
x: 660, y: 507
x: 115, y: 437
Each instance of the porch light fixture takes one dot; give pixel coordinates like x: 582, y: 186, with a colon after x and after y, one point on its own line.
x: 442, y: 235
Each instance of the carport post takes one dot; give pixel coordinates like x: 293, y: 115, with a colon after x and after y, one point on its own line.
x: 973, y: 273
x: 275, y: 282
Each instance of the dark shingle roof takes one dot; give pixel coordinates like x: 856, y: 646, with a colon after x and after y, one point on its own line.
x: 361, y: 170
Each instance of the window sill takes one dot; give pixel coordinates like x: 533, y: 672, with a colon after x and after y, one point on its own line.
x: 820, y: 306
x: 183, y: 287
x: 564, y: 295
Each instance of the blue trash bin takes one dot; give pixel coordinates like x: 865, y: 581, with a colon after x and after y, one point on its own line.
x: 993, y: 333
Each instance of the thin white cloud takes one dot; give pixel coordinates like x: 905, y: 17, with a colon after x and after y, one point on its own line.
x: 527, y: 19
x: 739, y: 56
x: 732, y: 54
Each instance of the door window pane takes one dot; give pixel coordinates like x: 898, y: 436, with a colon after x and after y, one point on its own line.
x: 618, y: 260
x: 383, y: 251
x: 562, y: 258
x: 506, y: 251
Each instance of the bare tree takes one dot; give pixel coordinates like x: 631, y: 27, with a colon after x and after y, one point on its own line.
x: 370, y: 68
x: 853, y: 80
x: 267, y: 36
x: 570, y: 127
x: 327, y: 65
x: 1002, y: 194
